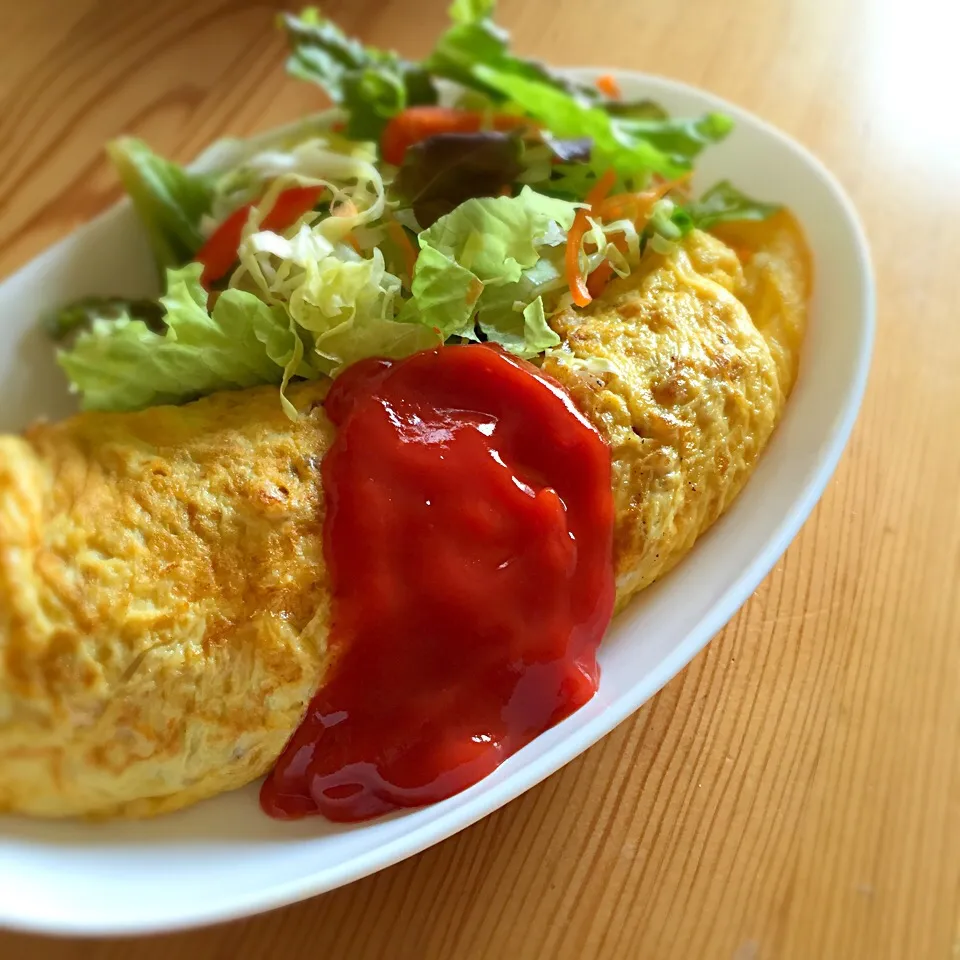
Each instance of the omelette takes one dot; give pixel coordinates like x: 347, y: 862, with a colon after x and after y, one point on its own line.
x: 164, y: 602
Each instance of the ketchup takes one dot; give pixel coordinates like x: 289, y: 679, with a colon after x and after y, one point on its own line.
x: 468, y: 536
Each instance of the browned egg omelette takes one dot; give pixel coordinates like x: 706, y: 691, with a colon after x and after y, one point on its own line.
x: 164, y: 601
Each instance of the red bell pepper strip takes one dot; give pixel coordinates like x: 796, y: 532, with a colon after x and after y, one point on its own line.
x: 219, y: 253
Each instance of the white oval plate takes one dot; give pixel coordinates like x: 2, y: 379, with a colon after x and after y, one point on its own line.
x: 223, y: 858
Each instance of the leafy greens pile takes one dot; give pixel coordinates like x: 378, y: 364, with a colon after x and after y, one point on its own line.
x: 393, y: 224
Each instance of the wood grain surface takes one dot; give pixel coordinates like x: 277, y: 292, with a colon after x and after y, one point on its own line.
x: 795, y: 793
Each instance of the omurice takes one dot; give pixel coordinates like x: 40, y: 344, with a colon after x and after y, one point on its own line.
x: 432, y: 390
x: 166, y: 604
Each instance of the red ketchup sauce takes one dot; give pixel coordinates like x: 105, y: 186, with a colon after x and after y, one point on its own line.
x: 469, y: 539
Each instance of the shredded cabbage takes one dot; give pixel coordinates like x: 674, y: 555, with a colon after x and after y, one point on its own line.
x: 594, y: 365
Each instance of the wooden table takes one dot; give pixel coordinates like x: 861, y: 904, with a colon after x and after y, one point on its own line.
x: 795, y: 793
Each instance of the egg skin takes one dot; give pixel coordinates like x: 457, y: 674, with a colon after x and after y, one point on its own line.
x: 164, y: 601
x: 705, y: 344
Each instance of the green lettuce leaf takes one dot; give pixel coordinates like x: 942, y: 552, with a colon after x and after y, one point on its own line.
x: 629, y: 146
x: 65, y: 322
x: 680, y: 138
x: 545, y: 276
x: 513, y: 315
x: 496, y: 237
x: 372, y: 85
x: 441, y: 172
x: 475, y: 41
x: 524, y: 333
x: 494, y: 257
x: 723, y: 202
x: 569, y: 181
x: 636, y: 137
x: 169, y: 200
x: 635, y: 109
x: 354, y: 340
x: 445, y: 294
x: 121, y: 364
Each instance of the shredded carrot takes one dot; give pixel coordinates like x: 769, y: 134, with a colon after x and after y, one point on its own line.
x: 600, y: 189
x: 633, y: 206
x: 607, y: 84
x: 637, y: 206
x: 352, y: 240
x: 598, y: 280
x: 603, y: 274
x: 578, y: 285
x: 655, y: 193
x: 400, y: 238
x: 581, y: 295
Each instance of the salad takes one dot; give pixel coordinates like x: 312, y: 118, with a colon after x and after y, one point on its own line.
x: 467, y: 197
